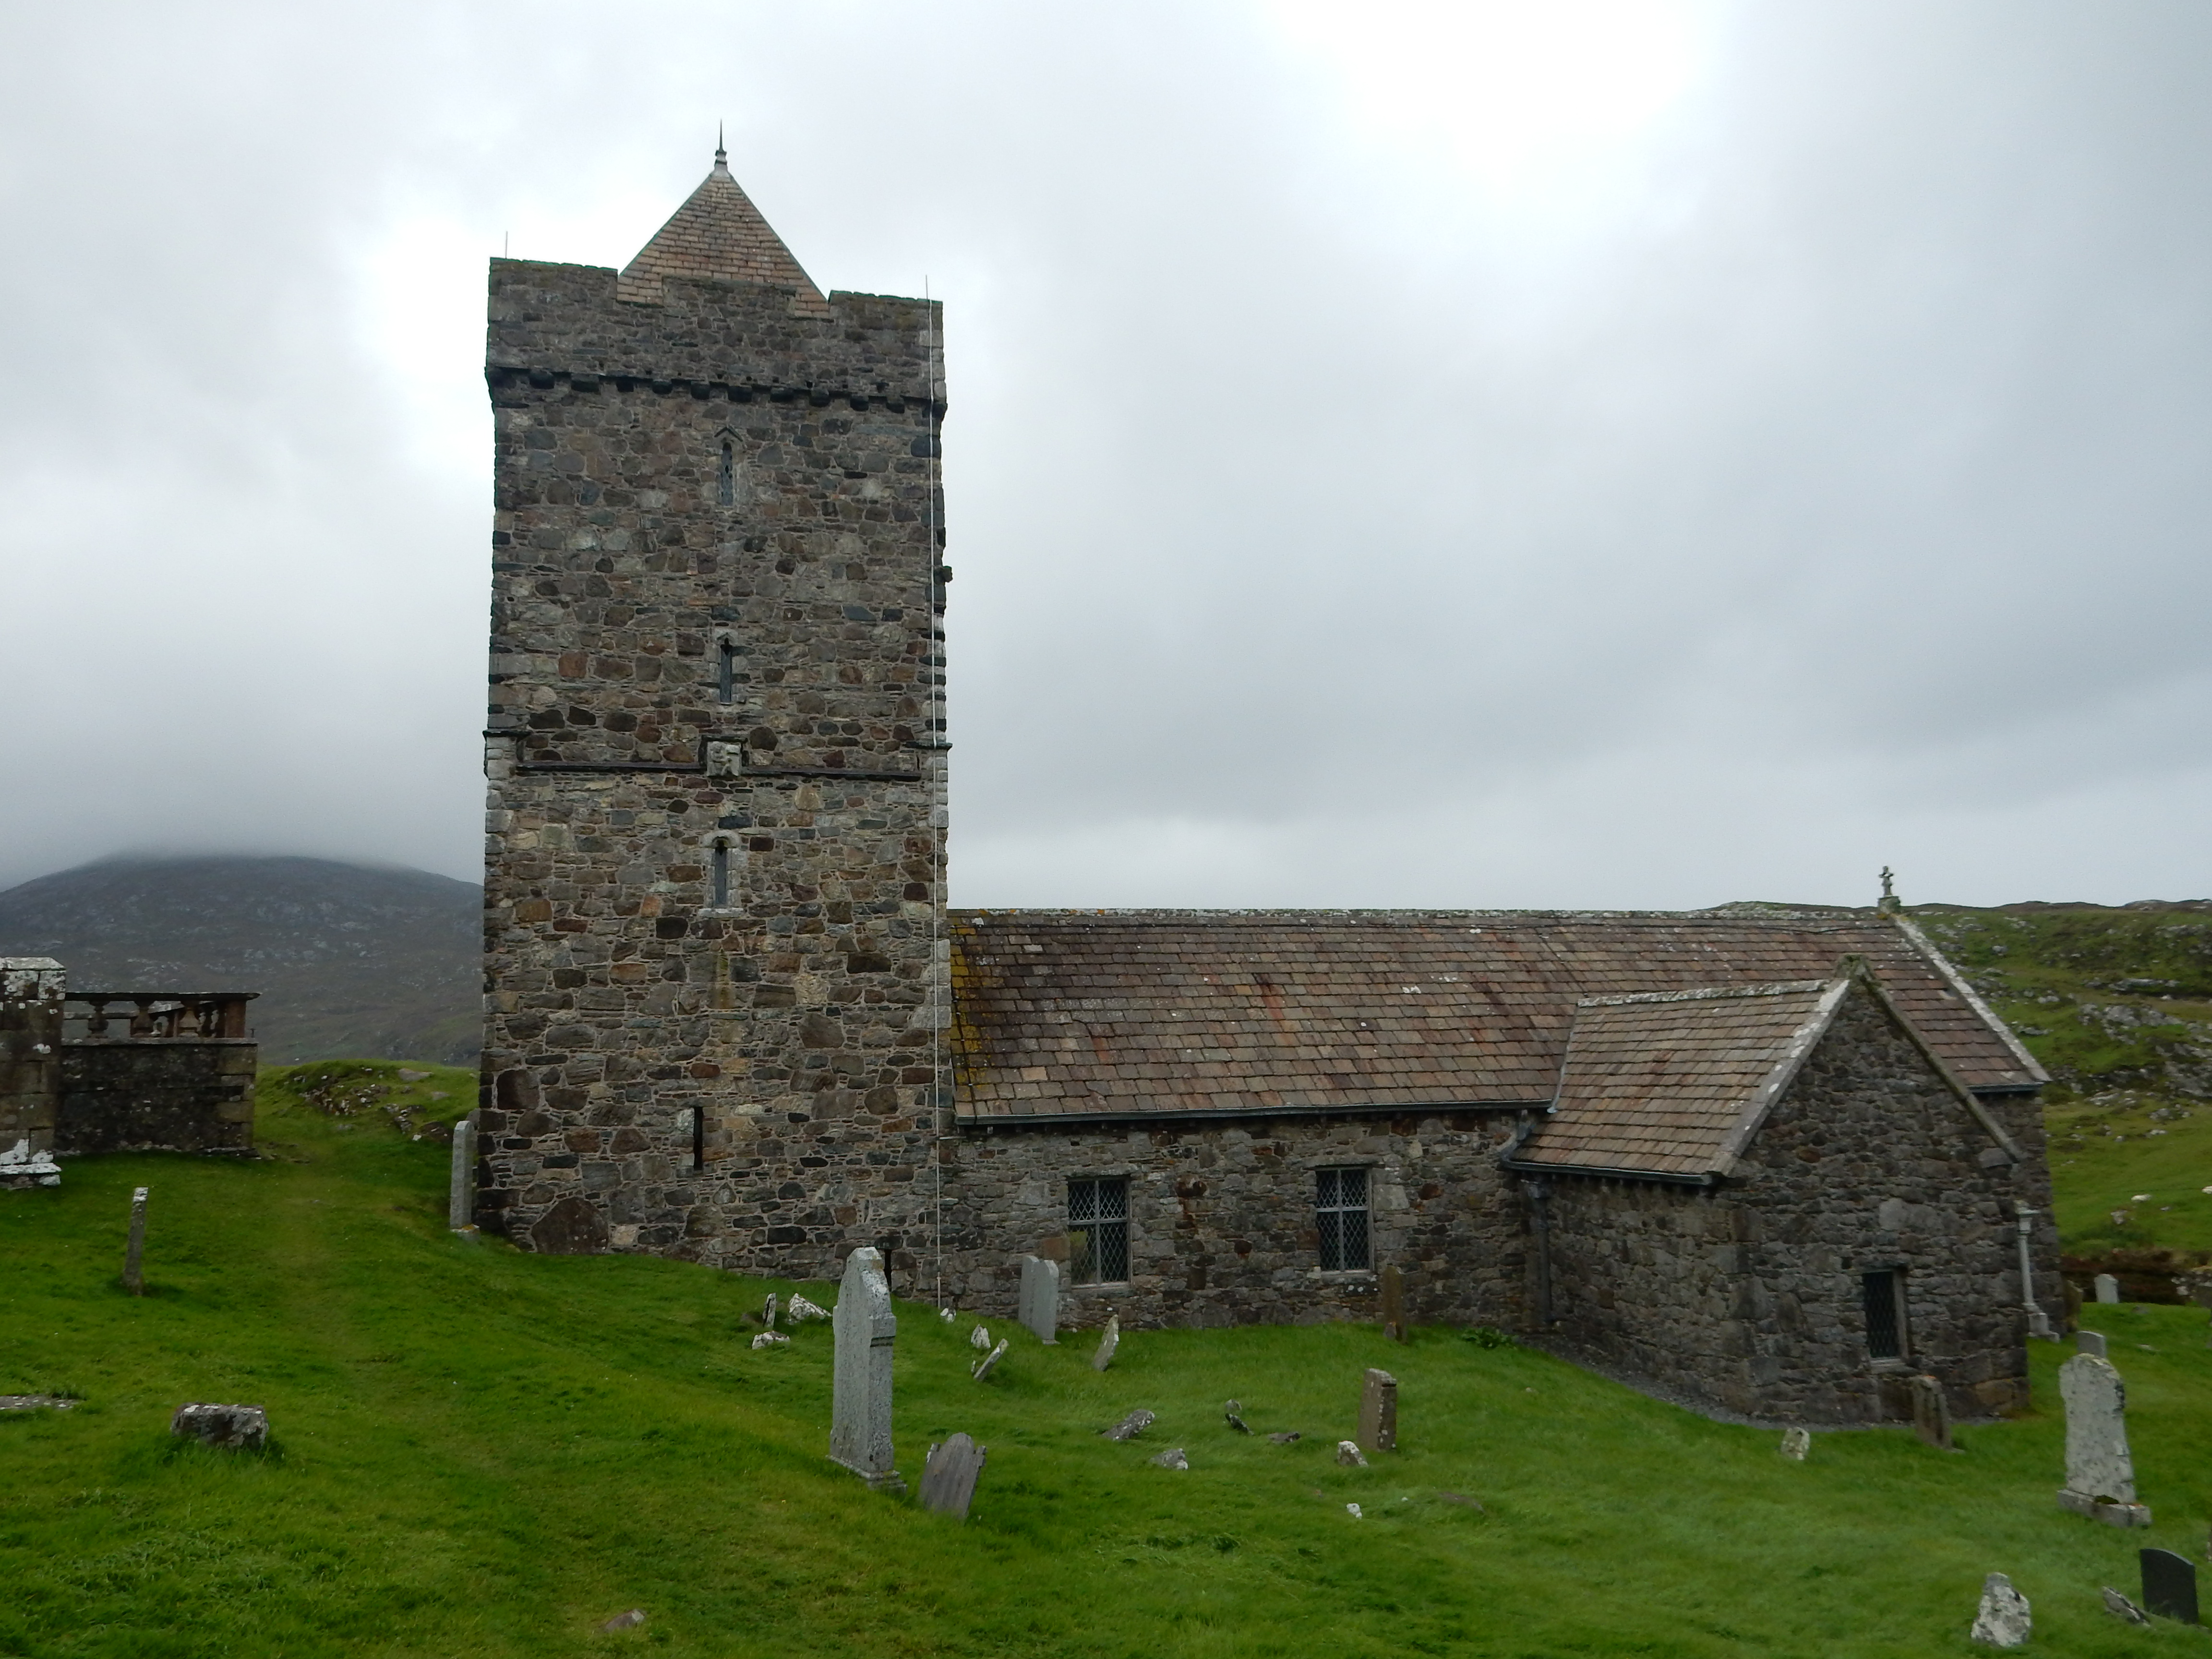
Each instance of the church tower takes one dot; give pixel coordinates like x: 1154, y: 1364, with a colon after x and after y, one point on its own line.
x: 715, y: 928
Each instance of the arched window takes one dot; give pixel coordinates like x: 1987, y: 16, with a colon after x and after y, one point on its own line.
x: 726, y: 670
x: 726, y: 491
x: 718, y: 876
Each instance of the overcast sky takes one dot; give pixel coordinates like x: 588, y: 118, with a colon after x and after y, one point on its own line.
x: 1611, y: 452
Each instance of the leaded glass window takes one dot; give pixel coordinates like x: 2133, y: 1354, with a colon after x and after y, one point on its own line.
x: 1341, y: 1209
x: 1098, y: 1231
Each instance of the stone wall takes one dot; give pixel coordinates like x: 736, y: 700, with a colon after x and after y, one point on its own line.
x: 1221, y: 1218
x: 31, y: 996
x: 183, y: 1095
x: 744, y: 1072
x: 1747, y: 1296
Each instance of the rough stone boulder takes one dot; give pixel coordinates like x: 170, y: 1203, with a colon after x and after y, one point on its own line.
x: 238, y: 1428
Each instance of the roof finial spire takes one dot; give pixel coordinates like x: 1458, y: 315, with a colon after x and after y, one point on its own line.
x: 1888, y: 890
x: 721, y: 155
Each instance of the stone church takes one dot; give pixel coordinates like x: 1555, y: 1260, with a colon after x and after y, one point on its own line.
x: 1772, y: 1162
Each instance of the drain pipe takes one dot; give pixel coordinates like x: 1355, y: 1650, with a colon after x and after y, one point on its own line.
x: 2039, y: 1323
x: 1539, y: 1199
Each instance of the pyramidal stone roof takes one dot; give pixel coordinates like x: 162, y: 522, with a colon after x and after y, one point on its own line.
x: 719, y: 234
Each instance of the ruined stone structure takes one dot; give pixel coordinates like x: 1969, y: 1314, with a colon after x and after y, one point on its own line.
x: 1771, y: 1161
x: 121, y: 1071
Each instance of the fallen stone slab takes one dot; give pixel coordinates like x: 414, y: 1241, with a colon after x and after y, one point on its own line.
x: 629, y: 1620
x: 1285, y: 1437
x: 1130, y: 1426
x: 1172, y: 1458
x: 2120, y: 1607
x: 34, y: 1402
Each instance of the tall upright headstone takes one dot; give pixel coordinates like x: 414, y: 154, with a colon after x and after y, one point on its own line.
x: 1107, y: 1344
x: 1394, y: 1303
x: 860, y: 1394
x: 1040, y: 1306
x: 2090, y: 1342
x: 1378, y: 1411
x: 461, y: 1201
x: 2108, y: 1288
x: 2100, y: 1475
x: 134, y: 1253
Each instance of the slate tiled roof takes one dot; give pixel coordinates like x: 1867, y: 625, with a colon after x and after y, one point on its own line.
x: 1672, y: 1084
x: 1140, y: 1013
x: 718, y: 233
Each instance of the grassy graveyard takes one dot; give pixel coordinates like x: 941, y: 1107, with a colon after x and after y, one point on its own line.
x: 482, y: 1452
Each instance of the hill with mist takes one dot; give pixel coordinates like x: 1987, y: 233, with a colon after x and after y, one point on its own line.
x: 350, y: 960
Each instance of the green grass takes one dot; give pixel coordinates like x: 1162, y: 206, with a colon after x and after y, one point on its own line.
x: 482, y: 1452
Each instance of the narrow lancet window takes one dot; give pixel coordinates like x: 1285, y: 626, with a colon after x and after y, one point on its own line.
x: 726, y: 671
x: 726, y: 486
x: 719, y: 867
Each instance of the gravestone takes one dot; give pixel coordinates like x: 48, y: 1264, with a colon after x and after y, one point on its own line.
x: 134, y: 1276
x: 1130, y: 1426
x: 861, y: 1396
x: 801, y: 1310
x: 1287, y: 1436
x: 234, y: 1428
x: 989, y: 1362
x: 1796, y: 1442
x: 1234, y: 1413
x: 2090, y: 1342
x: 980, y: 1339
x: 2169, y: 1583
x: 1931, y: 1412
x: 1393, y: 1303
x: 1172, y: 1458
x: 1107, y: 1344
x: 1040, y: 1306
x: 2120, y: 1607
x: 2003, y: 1621
x: 1378, y: 1411
x: 461, y: 1196
x: 948, y: 1475
x: 1349, y: 1455
x: 768, y: 1311
x: 2101, y: 1476
x: 2108, y: 1288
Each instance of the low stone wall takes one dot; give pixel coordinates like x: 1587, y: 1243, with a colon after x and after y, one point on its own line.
x: 135, y: 1094
x: 31, y: 989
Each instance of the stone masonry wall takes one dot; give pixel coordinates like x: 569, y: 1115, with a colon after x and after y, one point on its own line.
x: 797, y: 1017
x: 1749, y: 1297
x: 1221, y: 1218
x: 135, y: 1094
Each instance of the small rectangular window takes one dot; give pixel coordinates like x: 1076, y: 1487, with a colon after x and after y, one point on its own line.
x: 1341, y: 1209
x: 1885, y: 1313
x: 1098, y: 1231
x: 726, y: 671
x: 725, y: 484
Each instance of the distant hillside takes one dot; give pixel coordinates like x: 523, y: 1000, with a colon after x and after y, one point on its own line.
x: 350, y: 961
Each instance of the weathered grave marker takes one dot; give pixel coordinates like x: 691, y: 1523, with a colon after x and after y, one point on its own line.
x: 2120, y: 1607
x: 768, y: 1311
x: 861, y: 1396
x: 1040, y: 1305
x: 2003, y: 1621
x: 1931, y: 1412
x: 2169, y: 1585
x: 1234, y: 1412
x: 2090, y: 1342
x: 980, y: 1339
x: 1796, y: 1442
x: 1378, y: 1411
x: 1130, y: 1426
x: 948, y: 1475
x: 1393, y: 1303
x: 461, y: 1194
x: 2100, y: 1475
x: 1107, y: 1344
x: 801, y: 1310
x: 1172, y: 1458
x: 1288, y: 1436
x: 134, y: 1276
x: 989, y: 1362
x: 1349, y: 1455
x: 2108, y: 1288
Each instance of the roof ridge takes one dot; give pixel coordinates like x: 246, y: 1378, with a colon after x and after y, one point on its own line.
x: 1711, y: 993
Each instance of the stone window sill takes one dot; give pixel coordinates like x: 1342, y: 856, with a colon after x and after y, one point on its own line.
x: 1116, y: 1287
x: 1342, y: 1276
